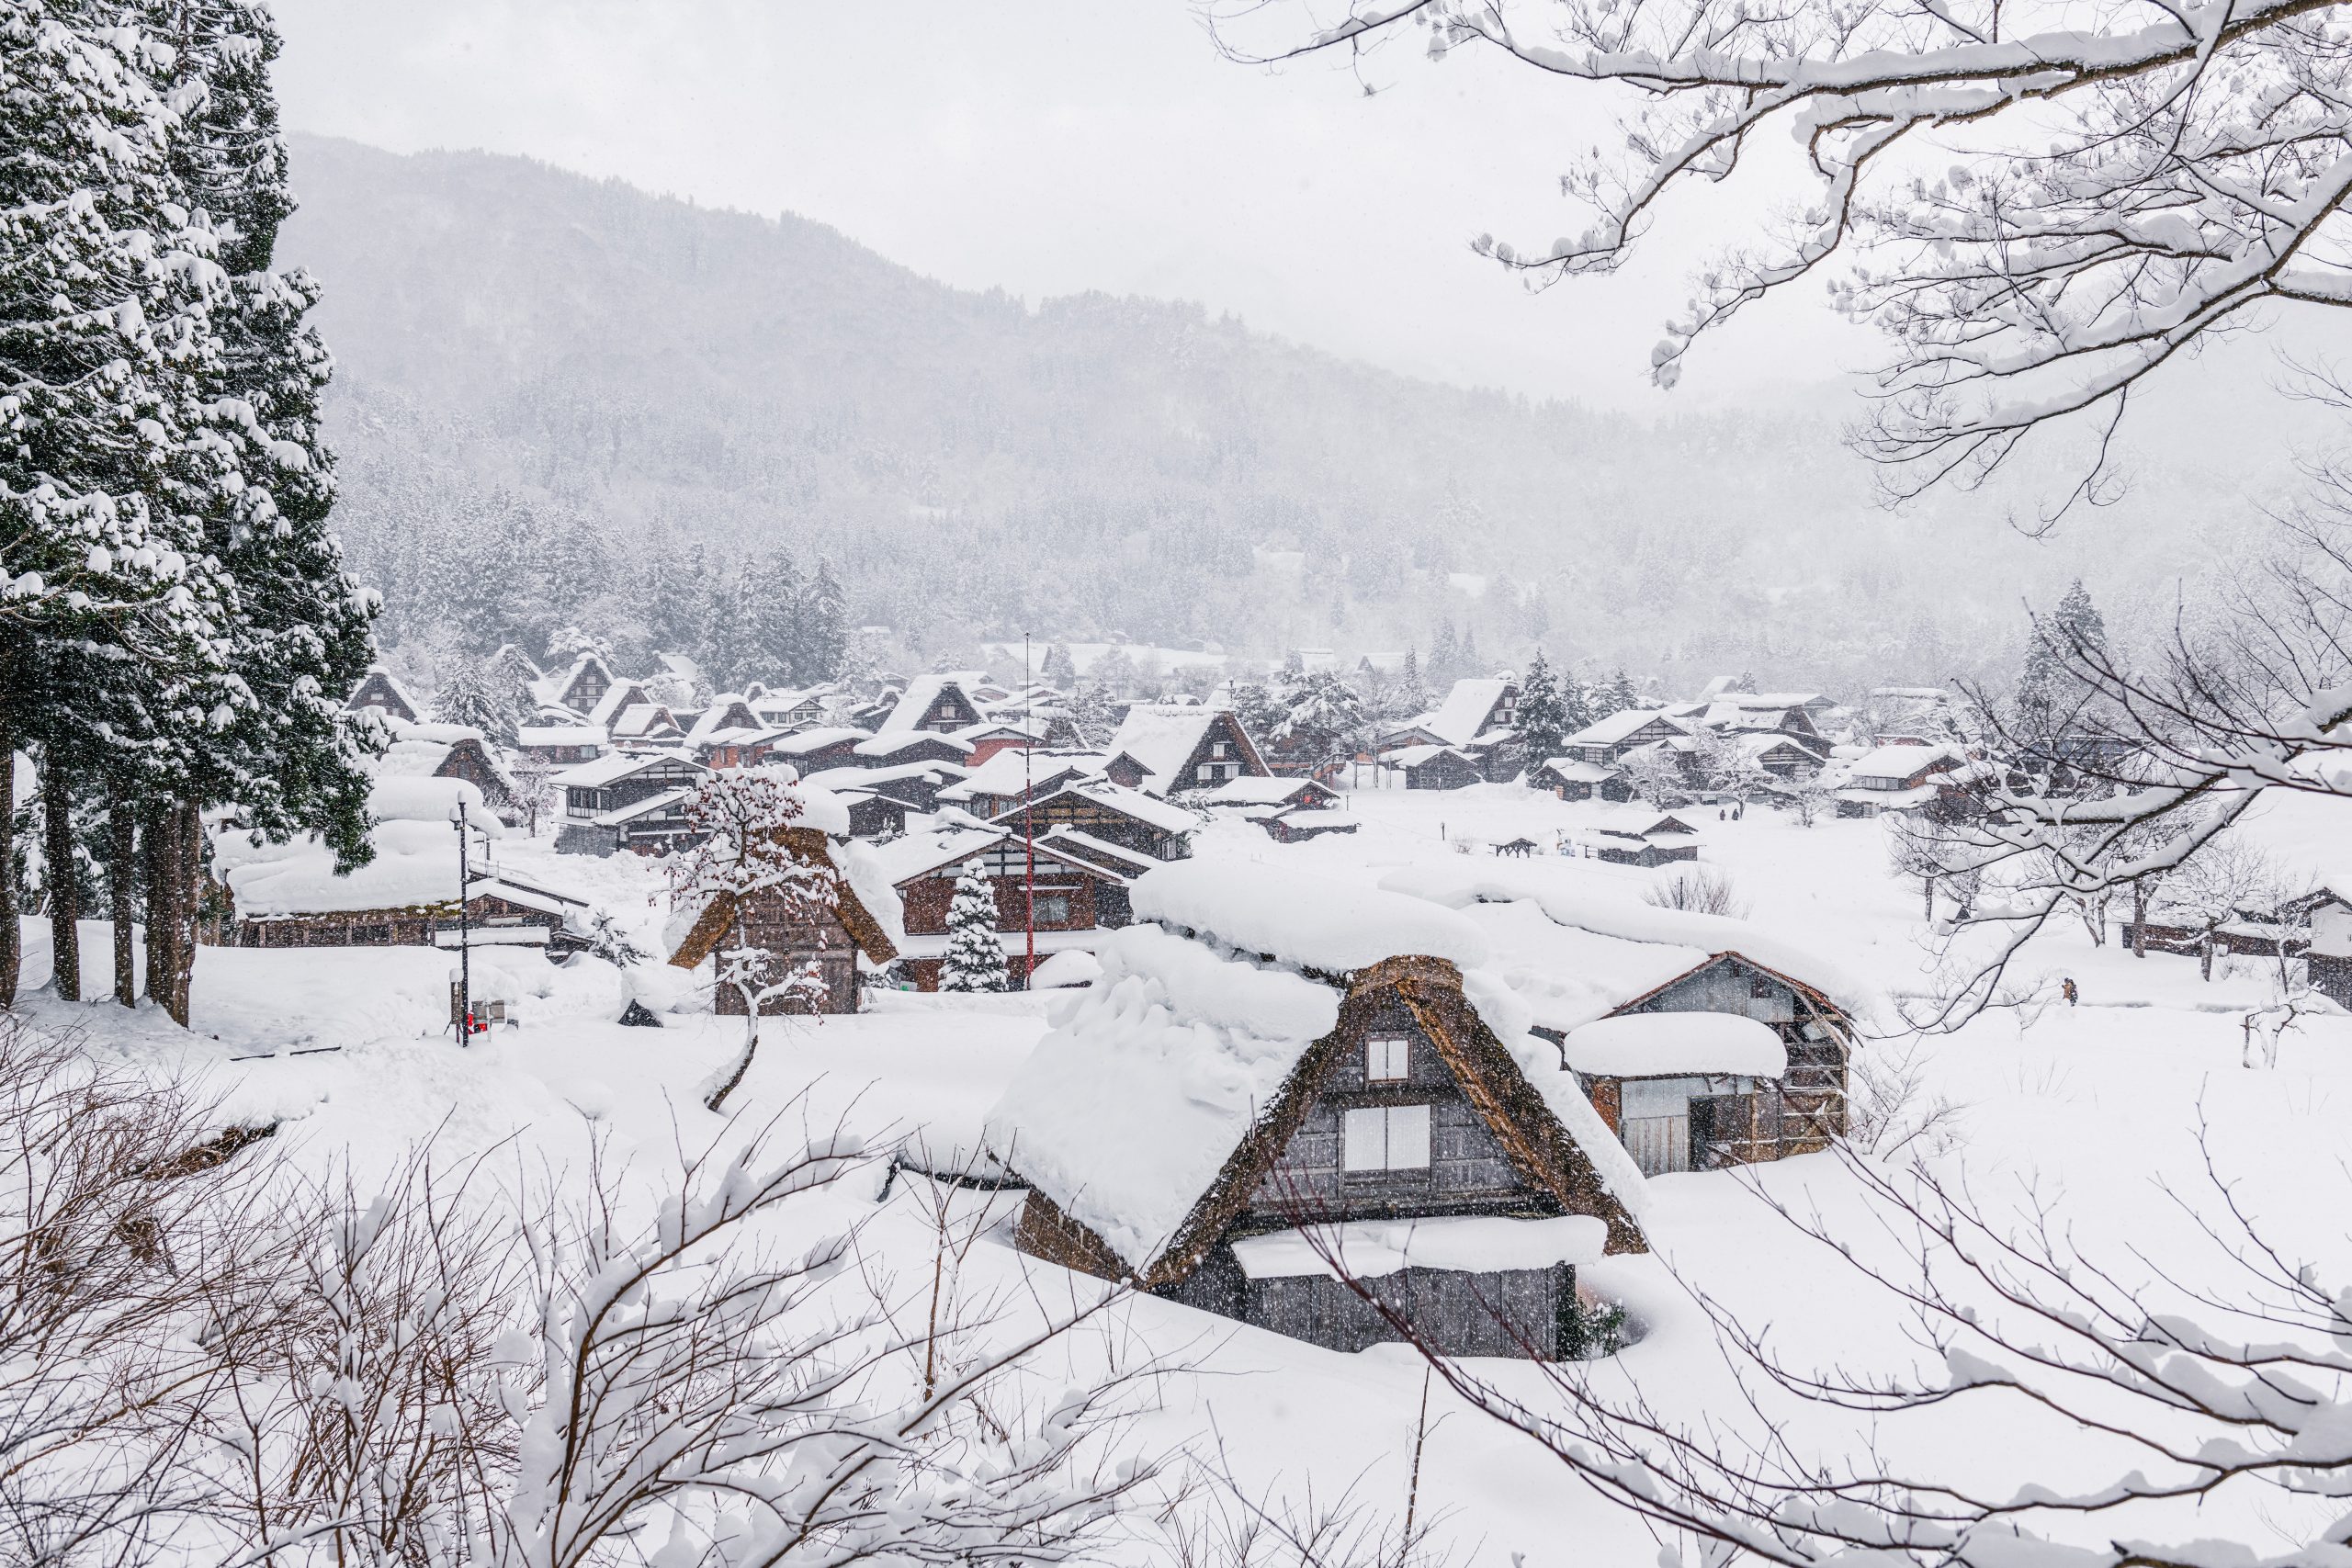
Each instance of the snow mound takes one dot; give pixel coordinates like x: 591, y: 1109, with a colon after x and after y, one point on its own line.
x: 1309, y: 921
x: 1075, y: 967
x: 396, y: 798
x: 1655, y: 1044
x: 1473, y: 1243
x: 1126, y: 1112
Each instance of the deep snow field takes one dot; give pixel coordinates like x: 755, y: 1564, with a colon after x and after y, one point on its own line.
x: 2092, y: 1110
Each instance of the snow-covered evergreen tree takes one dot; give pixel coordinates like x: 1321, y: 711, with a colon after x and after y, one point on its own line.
x: 1316, y: 714
x: 1445, y: 659
x: 1543, y: 717
x: 466, y: 696
x: 1059, y: 668
x: 1412, y: 696
x: 975, y: 958
x: 1620, y: 695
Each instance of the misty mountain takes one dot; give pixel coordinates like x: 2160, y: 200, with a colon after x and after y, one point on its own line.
x: 560, y: 399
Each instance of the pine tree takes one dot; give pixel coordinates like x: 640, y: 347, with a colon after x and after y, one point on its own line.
x: 466, y: 696
x: 120, y: 451
x: 2059, y: 644
x: 511, y: 676
x: 1543, y: 717
x: 1445, y: 659
x: 975, y: 958
x: 820, y: 630
x: 1576, y: 701
x: 1468, y: 666
x: 1412, y: 697
x: 1058, y: 670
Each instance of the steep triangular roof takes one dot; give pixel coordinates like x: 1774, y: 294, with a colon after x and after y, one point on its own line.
x: 1060, y: 1133
x: 811, y: 847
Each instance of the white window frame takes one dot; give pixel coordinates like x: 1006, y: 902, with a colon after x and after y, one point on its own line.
x: 1388, y: 1058
x: 1385, y: 1137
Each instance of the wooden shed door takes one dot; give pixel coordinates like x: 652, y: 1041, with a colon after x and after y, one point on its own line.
x: 1658, y: 1144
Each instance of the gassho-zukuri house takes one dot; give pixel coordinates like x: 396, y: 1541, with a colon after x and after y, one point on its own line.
x: 1281, y: 1079
x: 1451, y: 1089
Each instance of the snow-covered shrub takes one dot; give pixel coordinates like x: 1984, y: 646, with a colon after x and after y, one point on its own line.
x: 1702, y: 890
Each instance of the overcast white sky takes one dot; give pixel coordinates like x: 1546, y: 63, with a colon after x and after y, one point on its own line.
x: 1049, y: 146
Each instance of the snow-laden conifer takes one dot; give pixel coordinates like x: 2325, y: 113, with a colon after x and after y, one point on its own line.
x: 975, y: 960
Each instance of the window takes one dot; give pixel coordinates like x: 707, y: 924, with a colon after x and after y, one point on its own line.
x: 1208, y: 772
x: 1220, y: 750
x: 1052, y: 909
x: 1386, y: 1137
x: 1387, y: 1059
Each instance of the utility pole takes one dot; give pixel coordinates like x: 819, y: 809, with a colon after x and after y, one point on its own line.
x: 465, y: 941
x: 1028, y: 817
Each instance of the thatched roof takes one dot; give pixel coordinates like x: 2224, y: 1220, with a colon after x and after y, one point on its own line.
x: 1533, y: 1129
x: 811, y: 848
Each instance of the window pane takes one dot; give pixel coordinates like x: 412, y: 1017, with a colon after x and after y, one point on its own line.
x: 1409, y: 1137
x: 1385, y: 1060
x: 1363, y: 1140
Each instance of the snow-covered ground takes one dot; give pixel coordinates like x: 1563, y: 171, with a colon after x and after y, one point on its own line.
x: 2094, y: 1109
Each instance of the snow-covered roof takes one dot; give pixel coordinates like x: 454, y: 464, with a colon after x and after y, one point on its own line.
x: 415, y: 863
x: 601, y: 771
x: 1129, y: 1108
x: 922, y: 692
x: 1669, y: 1044
x: 1762, y: 742
x: 1575, y: 770
x: 618, y: 695
x: 1898, y: 761
x: 643, y: 718
x: 868, y: 778
x: 1129, y: 802
x: 918, y: 855
x: 1004, y: 772
x: 419, y: 751
x: 1462, y: 715
x: 890, y: 743
x: 1087, y: 847
x: 559, y: 735
x: 1302, y: 918
x: 1472, y: 1244
x: 1414, y: 756
x: 1160, y: 737
x: 1577, y: 945
x: 807, y: 740
x: 1609, y: 732
x: 1259, y: 791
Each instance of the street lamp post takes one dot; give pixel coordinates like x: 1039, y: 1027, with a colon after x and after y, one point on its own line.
x: 464, y: 942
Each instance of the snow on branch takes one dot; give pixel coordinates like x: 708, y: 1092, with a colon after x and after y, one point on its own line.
x: 2040, y: 206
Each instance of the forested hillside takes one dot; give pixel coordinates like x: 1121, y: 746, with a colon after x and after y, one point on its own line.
x: 563, y: 400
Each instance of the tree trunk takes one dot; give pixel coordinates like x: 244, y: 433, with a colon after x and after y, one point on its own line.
x: 11, y: 932
x: 187, y: 843
x: 157, y: 865
x: 2205, y: 957
x: 64, y: 893
x: 2139, y: 919
x: 1927, y: 900
x: 122, y: 872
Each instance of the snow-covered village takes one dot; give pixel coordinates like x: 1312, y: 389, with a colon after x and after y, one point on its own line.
x: 989, y: 785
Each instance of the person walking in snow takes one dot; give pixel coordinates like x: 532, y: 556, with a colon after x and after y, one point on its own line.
x: 2067, y: 985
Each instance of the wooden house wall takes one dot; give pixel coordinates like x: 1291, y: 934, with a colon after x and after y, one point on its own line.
x: 1807, y: 1109
x: 1504, y: 1313
x: 1469, y: 1171
x: 1442, y: 772
x: 926, y: 748
x: 926, y: 900
x: 950, y: 709
x: 793, y: 933
x: 875, y: 815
